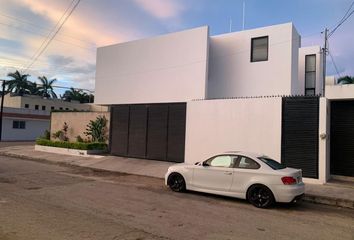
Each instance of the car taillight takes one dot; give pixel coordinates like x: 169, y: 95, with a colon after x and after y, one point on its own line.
x: 288, y: 180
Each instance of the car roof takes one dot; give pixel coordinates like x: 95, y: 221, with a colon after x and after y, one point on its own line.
x: 247, y: 154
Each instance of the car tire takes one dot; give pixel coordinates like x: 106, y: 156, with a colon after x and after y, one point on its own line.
x: 176, y: 182
x: 260, y: 196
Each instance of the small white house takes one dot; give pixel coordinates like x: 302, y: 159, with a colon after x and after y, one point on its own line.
x: 185, y: 96
x: 21, y: 124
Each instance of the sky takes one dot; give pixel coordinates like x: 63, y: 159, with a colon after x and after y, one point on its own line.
x: 71, y: 56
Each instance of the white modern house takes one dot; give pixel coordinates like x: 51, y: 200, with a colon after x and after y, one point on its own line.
x: 186, y: 96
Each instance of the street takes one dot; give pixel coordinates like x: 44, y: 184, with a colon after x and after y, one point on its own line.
x: 43, y: 201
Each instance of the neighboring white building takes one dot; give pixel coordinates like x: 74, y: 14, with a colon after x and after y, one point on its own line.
x: 21, y: 124
x: 44, y: 104
x: 185, y: 96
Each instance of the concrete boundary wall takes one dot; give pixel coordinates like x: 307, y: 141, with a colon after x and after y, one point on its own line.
x: 216, y: 126
x: 77, y: 122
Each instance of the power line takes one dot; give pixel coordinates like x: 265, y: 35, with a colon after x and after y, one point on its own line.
x: 29, y: 31
x: 53, y: 36
x: 334, y: 64
x: 343, y: 19
x: 42, y: 27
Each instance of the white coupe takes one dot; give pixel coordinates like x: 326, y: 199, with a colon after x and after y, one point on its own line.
x: 257, y: 178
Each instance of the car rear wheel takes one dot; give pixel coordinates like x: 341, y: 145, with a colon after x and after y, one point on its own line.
x: 176, y: 182
x: 260, y: 196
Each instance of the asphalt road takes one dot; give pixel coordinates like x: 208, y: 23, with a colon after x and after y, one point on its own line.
x: 41, y: 201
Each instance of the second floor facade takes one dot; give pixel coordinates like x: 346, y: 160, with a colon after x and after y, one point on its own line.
x: 188, y: 65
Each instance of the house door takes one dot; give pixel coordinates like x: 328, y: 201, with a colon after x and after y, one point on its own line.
x: 342, y: 138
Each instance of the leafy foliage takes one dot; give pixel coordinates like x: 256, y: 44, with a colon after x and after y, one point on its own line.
x: 62, y: 134
x: 77, y: 95
x: 346, y: 80
x: 18, y: 84
x: 73, y: 145
x: 46, y: 88
x: 96, y: 129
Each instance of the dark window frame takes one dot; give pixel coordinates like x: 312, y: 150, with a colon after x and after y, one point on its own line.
x: 257, y: 38
x: 36, y: 107
x: 239, y: 159
x: 314, y: 88
x: 43, y: 108
x: 26, y: 105
x: 20, y: 124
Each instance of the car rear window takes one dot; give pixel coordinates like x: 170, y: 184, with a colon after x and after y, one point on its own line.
x: 272, y: 163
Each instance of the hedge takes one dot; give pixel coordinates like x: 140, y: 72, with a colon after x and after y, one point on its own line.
x: 72, y: 145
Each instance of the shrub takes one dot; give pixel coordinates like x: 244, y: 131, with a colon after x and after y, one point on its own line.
x: 79, y: 139
x: 96, y: 130
x: 46, y: 135
x: 62, y: 134
x: 72, y: 145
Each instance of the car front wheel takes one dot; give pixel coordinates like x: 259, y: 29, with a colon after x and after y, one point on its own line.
x: 176, y: 182
x: 260, y: 196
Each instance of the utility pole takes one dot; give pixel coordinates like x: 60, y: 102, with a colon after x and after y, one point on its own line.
x: 324, y: 56
x: 2, y: 107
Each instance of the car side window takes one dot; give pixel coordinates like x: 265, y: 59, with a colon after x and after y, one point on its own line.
x: 246, y: 163
x: 221, y: 161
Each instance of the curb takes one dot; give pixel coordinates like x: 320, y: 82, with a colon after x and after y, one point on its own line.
x: 331, y: 201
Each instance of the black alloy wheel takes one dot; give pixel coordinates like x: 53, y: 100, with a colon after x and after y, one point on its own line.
x: 176, y: 182
x: 260, y: 196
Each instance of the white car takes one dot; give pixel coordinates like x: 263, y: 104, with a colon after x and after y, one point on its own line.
x: 254, y: 177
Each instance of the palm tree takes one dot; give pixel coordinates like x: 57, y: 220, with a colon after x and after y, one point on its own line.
x: 18, y: 84
x: 46, y: 88
x: 33, y: 88
x: 77, y: 95
x: 346, y: 80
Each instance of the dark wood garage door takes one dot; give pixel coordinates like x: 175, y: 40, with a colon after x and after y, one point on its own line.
x: 342, y: 138
x: 299, y: 147
x: 151, y: 131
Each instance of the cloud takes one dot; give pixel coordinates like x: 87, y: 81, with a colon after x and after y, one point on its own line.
x: 59, y: 60
x: 161, y: 9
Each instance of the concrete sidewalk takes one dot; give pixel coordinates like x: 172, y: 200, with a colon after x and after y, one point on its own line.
x: 335, y: 194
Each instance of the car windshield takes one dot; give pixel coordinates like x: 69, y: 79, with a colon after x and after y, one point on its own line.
x: 272, y: 163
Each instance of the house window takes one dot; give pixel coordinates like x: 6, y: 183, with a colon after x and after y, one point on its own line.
x: 43, y: 108
x: 67, y: 109
x: 259, y: 49
x: 310, y: 74
x: 26, y: 105
x: 19, y: 124
x: 52, y: 108
x: 61, y: 108
x: 36, y: 107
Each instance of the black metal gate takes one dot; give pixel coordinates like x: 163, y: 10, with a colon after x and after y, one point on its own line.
x: 299, y: 147
x: 151, y: 131
x: 342, y: 138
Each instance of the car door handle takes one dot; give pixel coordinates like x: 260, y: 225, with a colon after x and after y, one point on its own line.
x: 228, y: 173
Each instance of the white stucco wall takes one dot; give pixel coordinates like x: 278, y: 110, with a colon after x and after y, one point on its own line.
x: 232, y: 74
x: 252, y: 125
x: 319, y: 66
x: 167, y: 68
x: 34, y: 129
x: 338, y: 91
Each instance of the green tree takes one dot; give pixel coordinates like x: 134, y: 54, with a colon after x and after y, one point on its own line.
x: 346, y: 80
x: 18, y: 84
x: 33, y: 88
x: 77, y: 95
x: 46, y: 87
